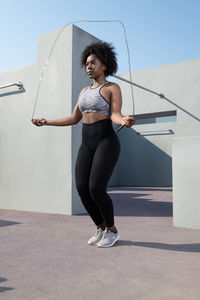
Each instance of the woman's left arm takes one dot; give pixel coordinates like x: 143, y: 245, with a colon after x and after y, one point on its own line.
x: 116, y: 105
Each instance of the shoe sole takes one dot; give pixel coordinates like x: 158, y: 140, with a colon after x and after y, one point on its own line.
x: 107, y: 246
x: 92, y: 244
x: 95, y: 242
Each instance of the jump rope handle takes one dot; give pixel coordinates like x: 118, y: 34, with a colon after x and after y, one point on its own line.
x: 42, y: 122
x: 122, y: 126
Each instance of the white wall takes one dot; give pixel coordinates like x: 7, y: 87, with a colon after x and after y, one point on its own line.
x: 186, y: 182
x: 37, y: 164
x: 148, y: 157
x: 180, y: 84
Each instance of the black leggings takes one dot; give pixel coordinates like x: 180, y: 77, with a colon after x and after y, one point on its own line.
x: 95, y: 162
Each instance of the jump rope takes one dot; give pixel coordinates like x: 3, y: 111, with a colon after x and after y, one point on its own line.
x: 44, y: 68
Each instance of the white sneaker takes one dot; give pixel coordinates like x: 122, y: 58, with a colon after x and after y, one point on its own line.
x: 109, y: 238
x: 96, y: 237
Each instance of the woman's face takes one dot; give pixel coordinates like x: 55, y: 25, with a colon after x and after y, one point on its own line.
x: 94, y: 67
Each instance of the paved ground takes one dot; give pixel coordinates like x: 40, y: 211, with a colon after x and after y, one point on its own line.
x: 46, y: 256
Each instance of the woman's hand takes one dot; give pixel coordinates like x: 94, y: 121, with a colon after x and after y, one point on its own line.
x: 39, y: 121
x: 128, y: 121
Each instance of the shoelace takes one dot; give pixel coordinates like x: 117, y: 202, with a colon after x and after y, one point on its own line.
x: 98, y: 231
x: 105, y: 234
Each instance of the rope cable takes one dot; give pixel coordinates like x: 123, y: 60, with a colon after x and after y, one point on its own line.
x: 53, y: 46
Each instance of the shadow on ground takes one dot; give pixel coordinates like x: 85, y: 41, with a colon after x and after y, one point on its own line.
x: 172, y: 247
x: 8, y: 223
x: 129, y: 202
x: 3, y: 288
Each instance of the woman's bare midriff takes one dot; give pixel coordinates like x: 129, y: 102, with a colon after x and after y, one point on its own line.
x: 93, y: 117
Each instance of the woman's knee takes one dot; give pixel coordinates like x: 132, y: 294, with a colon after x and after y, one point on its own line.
x: 82, y: 188
x: 97, y: 191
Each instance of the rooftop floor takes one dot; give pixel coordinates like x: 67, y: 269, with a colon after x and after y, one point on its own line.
x: 46, y: 256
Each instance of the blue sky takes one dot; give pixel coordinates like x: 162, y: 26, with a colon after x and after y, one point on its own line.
x: 159, y: 32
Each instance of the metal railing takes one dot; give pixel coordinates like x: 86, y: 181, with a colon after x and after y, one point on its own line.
x: 18, y: 84
x: 165, y: 131
x: 161, y: 95
x: 158, y: 114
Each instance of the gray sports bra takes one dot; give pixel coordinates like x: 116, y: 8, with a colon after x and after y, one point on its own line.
x: 92, y: 101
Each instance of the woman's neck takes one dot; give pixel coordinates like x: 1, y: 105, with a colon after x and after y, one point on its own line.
x: 98, y: 82
x: 100, y: 79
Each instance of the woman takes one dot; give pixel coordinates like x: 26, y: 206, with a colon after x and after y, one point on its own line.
x: 99, y: 105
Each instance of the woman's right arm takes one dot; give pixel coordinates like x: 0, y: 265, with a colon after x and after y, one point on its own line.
x: 66, y: 121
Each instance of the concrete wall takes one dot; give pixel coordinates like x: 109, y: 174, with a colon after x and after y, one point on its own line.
x: 146, y: 159
x: 37, y: 164
x: 166, y: 159
x: 186, y: 182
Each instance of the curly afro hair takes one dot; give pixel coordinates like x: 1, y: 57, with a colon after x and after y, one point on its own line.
x: 105, y: 52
